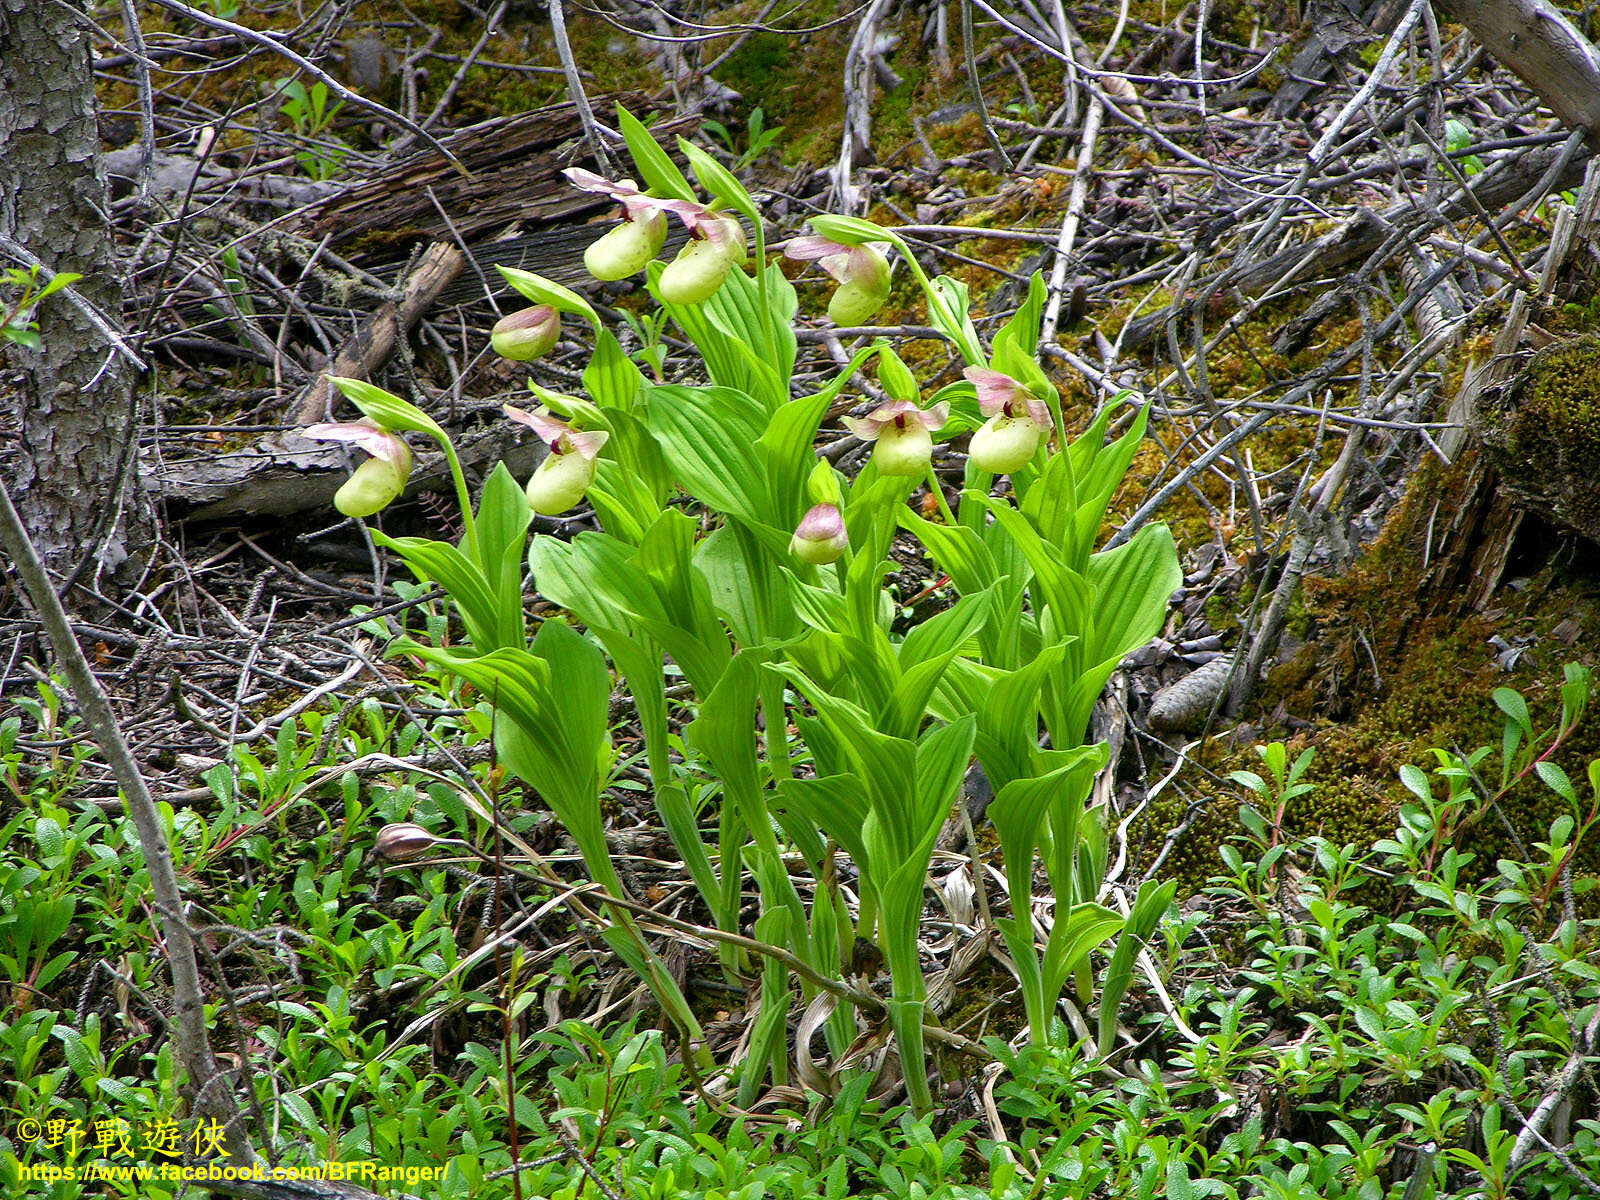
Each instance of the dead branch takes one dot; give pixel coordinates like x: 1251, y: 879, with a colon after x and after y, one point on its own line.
x: 370, y: 348
x: 515, y: 184
x: 1534, y: 39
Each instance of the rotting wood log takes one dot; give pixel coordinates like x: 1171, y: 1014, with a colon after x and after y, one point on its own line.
x: 1539, y: 432
x: 556, y: 253
x: 514, y: 208
x: 1463, y: 524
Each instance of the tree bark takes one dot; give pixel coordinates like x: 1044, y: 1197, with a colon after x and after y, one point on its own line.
x: 66, y: 411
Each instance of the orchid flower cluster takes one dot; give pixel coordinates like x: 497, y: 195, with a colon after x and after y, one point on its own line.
x: 732, y: 557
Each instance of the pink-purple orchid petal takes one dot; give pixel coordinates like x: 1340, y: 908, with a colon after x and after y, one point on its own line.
x: 1001, y: 395
x: 697, y: 218
x: 862, y: 263
x: 550, y: 429
x: 379, y: 443
x: 624, y: 191
x: 898, y: 412
x: 842, y: 263
x: 560, y: 436
x: 811, y: 247
x: 588, y: 442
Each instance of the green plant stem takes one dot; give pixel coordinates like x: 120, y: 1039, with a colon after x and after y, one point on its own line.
x: 777, y: 728
x: 1058, y: 419
x: 970, y: 351
x: 761, y: 281
x: 905, y: 1016
x: 863, y: 598
x: 469, y: 524
x: 916, y: 268
x: 861, y: 999
x: 977, y: 483
x: 666, y: 990
x: 937, y: 489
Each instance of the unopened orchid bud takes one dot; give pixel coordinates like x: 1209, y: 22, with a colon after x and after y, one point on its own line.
x: 559, y: 482
x: 820, y: 537
x: 625, y: 250
x: 526, y: 335
x: 402, y: 841
x: 1004, y: 444
x: 696, y: 274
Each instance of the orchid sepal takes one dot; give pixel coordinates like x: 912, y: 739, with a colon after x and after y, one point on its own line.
x: 376, y: 483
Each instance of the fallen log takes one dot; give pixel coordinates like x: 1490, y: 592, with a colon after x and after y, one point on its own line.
x: 295, y: 475
x: 515, y: 186
x: 514, y: 208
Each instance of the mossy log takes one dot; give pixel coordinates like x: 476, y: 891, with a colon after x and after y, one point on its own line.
x: 1541, y: 433
x: 1524, y: 436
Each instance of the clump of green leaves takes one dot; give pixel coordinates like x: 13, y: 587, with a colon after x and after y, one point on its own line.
x: 311, y: 116
x: 758, y: 137
x: 769, y: 630
x: 16, y: 311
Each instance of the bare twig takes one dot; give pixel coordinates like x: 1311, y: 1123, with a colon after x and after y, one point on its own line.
x: 569, y: 65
